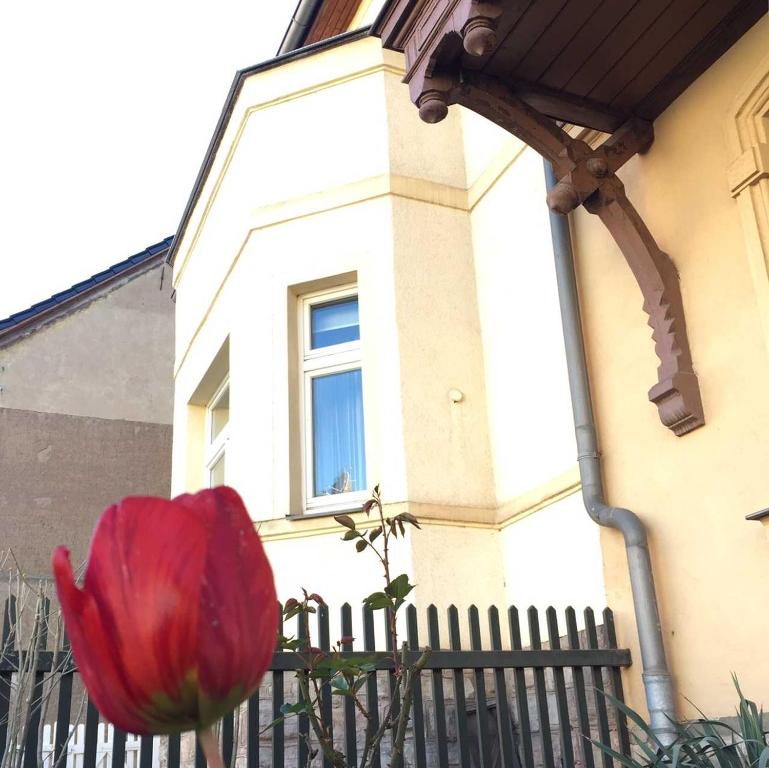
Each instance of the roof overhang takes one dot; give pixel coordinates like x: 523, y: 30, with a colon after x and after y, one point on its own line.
x: 583, y: 62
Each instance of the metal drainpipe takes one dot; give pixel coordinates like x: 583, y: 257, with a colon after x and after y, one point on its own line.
x: 657, y: 681
x: 300, y: 24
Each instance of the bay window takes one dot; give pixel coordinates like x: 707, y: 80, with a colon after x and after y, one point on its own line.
x: 332, y: 399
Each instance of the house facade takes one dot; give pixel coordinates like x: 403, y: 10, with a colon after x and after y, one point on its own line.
x: 363, y: 298
x: 85, y: 407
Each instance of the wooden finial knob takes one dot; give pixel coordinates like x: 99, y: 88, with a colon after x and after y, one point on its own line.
x: 433, y: 107
x: 479, y: 37
x: 563, y: 198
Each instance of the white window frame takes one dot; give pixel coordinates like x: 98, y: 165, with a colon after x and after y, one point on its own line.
x: 216, y: 447
x: 312, y: 364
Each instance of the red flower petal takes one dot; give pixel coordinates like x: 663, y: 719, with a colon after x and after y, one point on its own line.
x: 136, y: 644
x: 98, y: 666
x: 238, y: 604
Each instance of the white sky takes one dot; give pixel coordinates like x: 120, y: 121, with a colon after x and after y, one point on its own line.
x: 107, y: 110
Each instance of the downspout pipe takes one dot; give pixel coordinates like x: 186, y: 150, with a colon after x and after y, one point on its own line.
x: 658, y: 683
x: 299, y: 26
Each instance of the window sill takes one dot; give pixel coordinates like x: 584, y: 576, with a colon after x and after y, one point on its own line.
x: 353, y: 506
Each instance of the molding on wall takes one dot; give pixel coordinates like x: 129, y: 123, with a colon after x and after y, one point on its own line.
x: 421, y: 190
x: 381, y: 67
x: 434, y: 515
x: 549, y: 492
x: 494, y: 171
x: 748, y: 176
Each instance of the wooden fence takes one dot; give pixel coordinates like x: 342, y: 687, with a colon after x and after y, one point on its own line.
x: 498, y: 702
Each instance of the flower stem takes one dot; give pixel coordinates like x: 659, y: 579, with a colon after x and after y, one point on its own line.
x: 210, y: 745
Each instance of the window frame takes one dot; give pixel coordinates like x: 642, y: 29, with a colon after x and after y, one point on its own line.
x: 215, y: 447
x: 314, y: 363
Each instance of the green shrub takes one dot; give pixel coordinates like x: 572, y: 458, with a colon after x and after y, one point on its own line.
x: 700, y: 743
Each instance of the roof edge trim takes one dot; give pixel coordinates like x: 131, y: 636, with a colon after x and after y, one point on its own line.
x: 229, y: 104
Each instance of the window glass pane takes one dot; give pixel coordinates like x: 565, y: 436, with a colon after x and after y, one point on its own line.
x: 334, y: 323
x: 216, y: 473
x: 220, y: 413
x: 337, y: 429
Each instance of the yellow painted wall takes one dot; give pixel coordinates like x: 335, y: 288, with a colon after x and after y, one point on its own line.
x: 373, y: 195
x: 711, y: 566
x: 445, y: 230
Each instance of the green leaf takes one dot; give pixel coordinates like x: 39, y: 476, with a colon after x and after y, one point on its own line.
x: 350, y: 535
x: 340, y: 685
x: 623, y: 759
x: 399, y: 587
x: 409, y: 518
x: 361, y: 545
x: 293, y: 709
x: 375, y: 533
x: 346, y: 521
x: 377, y: 601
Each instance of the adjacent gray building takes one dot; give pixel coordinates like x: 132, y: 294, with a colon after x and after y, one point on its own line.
x: 86, y: 389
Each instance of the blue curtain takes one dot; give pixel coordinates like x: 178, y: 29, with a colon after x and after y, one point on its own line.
x: 337, y: 423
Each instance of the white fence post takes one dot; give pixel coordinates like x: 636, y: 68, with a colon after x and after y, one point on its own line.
x: 104, y: 742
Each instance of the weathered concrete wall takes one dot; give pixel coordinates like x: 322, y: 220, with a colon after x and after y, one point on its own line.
x: 111, y: 359
x: 58, y: 472
x: 85, y: 418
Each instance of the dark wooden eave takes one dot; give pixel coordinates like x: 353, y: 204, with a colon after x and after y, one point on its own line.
x: 588, y: 62
x: 334, y: 18
x: 614, y: 65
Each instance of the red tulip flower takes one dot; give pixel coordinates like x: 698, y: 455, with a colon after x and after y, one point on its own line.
x: 176, y: 621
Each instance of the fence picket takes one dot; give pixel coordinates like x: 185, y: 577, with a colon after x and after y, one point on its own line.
x: 597, y: 678
x: 252, y: 745
x: 278, y: 731
x: 459, y: 691
x: 417, y: 712
x: 616, y: 680
x: 118, y: 749
x: 521, y: 695
x: 326, y: 706
x: 33, y: 723
x: 91, y: 732
x: 540, y: 690
x: 303, y: 721
x: 439, y: 705
x: 145, y: 754
x: 578, y: 675
x: 481, y: 705
x: 372, y: 691
x: 7, y: 645
x: 350, y: 734
x: 174, y: 750
x: 63, y: 663
x: 391, y: 682
x: 562, y: 704
x: 200, y: 758
x: 228, y: 733
x: 504, y: 723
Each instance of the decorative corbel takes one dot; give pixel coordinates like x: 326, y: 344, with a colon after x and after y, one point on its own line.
x: 586, y: 177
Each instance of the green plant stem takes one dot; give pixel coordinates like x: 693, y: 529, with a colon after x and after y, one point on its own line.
x: 326, y: 745
x: 210, y: 746
x: 412, y: 679
x: 372, y: 742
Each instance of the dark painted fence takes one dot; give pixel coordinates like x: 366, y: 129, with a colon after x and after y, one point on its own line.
x: 494, y: 703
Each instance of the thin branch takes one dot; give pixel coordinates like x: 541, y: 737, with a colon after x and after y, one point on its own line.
x: 413, y: 679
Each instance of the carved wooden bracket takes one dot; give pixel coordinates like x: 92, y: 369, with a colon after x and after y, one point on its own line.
x: 586, y: 177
